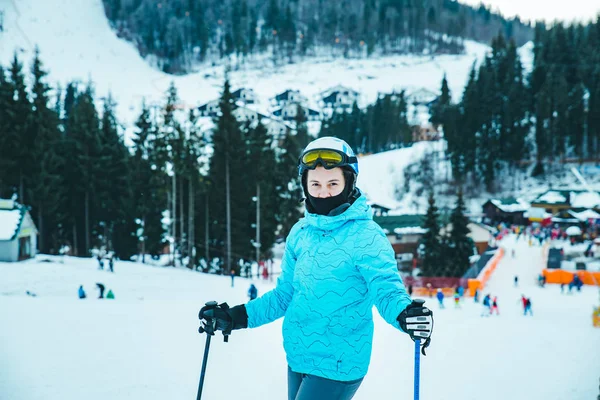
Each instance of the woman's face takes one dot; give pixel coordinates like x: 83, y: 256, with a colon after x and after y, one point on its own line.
x: 323, y: 182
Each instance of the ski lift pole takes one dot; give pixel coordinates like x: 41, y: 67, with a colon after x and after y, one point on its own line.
x: 417, y: 367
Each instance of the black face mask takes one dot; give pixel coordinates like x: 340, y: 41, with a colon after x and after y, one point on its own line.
x: 324, y: 205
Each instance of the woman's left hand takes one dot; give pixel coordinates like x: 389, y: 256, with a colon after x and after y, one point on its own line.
x: 417, y: 321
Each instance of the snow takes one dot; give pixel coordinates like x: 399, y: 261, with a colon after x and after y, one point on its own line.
x: 552, y: 197
x: 381, y: 176
x: 585, y: 215
x: 585, y: 200
x: 573, y: 231
x: 144, y: 344
x: 9, y: 222
x: 77, y: 43
x: 573, y: 10
x: 516, y: 207
x: 411, y: 230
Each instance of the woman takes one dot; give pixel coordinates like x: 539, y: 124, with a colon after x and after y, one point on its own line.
x: 337, y: 264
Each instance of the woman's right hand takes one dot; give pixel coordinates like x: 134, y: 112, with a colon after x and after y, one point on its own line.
x: 219, y: 317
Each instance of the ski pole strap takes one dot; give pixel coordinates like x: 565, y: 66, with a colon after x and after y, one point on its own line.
x: 417, y: 367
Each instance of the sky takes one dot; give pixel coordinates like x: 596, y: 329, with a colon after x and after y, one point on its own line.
x: 580, y: 10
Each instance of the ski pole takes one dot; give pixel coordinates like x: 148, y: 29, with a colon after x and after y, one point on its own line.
x: 201, y: 384
x: 417, y: 367
x: 206, y: 348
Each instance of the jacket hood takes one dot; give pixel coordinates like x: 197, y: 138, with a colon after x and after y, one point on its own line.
x: 357, y: 211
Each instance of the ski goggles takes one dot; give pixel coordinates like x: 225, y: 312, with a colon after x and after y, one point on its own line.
x: 327, y: 158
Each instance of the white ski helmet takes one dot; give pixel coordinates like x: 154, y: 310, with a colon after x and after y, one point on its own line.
x: 329, y: 152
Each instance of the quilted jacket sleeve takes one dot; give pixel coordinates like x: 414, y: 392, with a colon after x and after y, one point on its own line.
x: 273, y: 304
x: 375, y: 259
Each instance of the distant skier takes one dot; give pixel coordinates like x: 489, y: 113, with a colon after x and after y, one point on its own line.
x: 495, y: 306
x: 526, y: 305
x: 101, y: 289
x: 513, y: 253
x: 476, y: 296
x: 456, y: 300
x: 81, y: 292
x: 440, y: 297
x: 486, y: 311
x: 252, y: 292
x: 100, y: 261
x: 461, y: 291
x: 516, y: 281
x: 111, y: 263
x: 232, y: 274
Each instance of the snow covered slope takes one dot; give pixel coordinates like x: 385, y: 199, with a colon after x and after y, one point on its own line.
x: 76, y: 42
x: 533, y: 10
x: 144, y: 344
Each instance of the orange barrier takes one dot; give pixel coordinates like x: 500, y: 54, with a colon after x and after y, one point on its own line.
x: 424, y: 292
x: 561, y: 276
x: 486, y: 273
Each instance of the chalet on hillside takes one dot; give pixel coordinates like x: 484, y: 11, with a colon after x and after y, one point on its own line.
x: 245, y: 95
x: 18, y: 234
x: 289, y: 96
x: 403, y: 231
x: 508, y: 210
x: 246, y: 114
x: 210, y: 109
x: 421, y: 96
x: 278, y: 129
x: 554, y: 201
x: 289, y: 111
x: 424, y: 133
x: 339, y: 97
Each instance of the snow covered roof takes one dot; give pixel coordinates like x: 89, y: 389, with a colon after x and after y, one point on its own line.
x: 585, y: 199
x: 10, y: 222
x: 552, y: 197
x: 401, y: 224
x: 574, y: 198
x: 510, y: 204
x: 411, y: 230
x: 585, y: 215
x: 537, y: 213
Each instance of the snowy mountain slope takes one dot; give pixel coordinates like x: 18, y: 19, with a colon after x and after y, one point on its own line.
x: 144, y: 344
x: 534, y: 10
x: 76, y: 42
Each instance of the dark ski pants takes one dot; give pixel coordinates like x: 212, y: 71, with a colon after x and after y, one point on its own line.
x: 310, y: 387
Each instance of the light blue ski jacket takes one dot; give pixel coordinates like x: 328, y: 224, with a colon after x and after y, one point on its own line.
x: 334, y: 269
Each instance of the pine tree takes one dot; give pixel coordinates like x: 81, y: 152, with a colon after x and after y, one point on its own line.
x: 21, y: 113
x: 460, y: 246
x: 229, y: 195
x: 9, y: 139
x: 83, y: 153
x: 150, y: 194
x: 289, y: 186
x: 439, y: 108
x: 433, y: 264
x: 114, y: 187
x: 45, y: 184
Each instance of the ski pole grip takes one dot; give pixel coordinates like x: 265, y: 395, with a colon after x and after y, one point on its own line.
x: 211, y: 303
x: 419, y: 302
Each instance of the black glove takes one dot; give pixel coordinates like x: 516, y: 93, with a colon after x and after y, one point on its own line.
x: 219, y: 317
x: 417, y: 321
